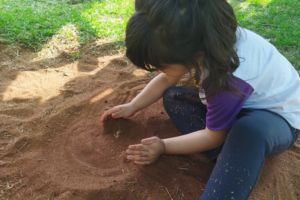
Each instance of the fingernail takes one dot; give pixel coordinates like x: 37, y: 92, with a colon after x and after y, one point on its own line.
x: 130, y: 147
x: 129, y: 158
x: 128, y: 152
x: 144, y: 141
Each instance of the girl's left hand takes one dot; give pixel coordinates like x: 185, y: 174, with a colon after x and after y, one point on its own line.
x: 147, y: 152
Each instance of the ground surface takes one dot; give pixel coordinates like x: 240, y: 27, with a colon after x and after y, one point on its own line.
x: 53, y: 145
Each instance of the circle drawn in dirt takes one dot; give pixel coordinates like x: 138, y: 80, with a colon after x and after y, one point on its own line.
x: 88, y: 145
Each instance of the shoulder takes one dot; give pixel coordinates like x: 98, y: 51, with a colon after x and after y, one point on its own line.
x: 175, y: 71
x: 249, y: 39
x: 258, y: 57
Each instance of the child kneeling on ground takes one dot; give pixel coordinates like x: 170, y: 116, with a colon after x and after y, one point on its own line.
x: 248, y: 103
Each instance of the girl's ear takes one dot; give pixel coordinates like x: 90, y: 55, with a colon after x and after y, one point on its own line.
x: 199, y: 57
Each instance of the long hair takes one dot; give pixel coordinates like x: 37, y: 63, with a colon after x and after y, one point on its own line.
x: 165, y: 32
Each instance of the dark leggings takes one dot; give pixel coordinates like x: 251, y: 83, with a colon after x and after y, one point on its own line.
x: 255, y: 135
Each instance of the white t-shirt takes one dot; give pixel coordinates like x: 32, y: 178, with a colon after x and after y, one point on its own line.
x: 268, y: 78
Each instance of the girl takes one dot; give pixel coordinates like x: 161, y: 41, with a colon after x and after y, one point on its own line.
x: 250, y: 93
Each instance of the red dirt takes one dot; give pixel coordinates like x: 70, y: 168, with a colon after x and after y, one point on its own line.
x: 53, y: 145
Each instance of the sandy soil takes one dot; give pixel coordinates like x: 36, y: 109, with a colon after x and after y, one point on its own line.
x: 53, y: 145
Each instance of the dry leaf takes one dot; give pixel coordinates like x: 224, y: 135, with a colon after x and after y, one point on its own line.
x: 117, y: 134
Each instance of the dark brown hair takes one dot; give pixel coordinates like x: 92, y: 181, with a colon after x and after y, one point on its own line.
x: 165, y: 32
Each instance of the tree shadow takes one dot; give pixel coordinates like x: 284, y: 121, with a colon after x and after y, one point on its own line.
x: 70, y: 120
x: 80, y: 95
x: 16, y: 61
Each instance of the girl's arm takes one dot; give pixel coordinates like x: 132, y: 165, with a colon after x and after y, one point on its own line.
x: 157, y: 86
x: 198, y: 141
x: 151, y: 148
x: 151, y: 93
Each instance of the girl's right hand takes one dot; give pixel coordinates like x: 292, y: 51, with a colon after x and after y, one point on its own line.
x: 121, y: 111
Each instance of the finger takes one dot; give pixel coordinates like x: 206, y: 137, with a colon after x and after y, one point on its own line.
x: 140, y: 153
x: 117, y: 114
x: 143, y: 162
x: 109, y: 113
x: 137, y: 147
x: 137, y: 158
x: 149, y: 140
x: 105, y: 115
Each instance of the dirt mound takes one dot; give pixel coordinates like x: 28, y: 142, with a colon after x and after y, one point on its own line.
x: 53, y: 145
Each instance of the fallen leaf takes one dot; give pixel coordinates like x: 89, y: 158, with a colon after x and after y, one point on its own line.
x: 117, y: 134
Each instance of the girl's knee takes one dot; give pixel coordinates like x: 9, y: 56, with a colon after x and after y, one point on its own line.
x: 168, y: 97
x: 173, y: 94
x: 248, y: 131
x: 168, y: 94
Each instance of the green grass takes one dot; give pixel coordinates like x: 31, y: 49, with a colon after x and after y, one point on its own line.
x: 277, y: 20
x: 35, y: 22
x: 42, y: 23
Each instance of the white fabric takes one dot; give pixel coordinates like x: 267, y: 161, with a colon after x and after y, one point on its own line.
x: 275, y: 81
x: 202, y: 95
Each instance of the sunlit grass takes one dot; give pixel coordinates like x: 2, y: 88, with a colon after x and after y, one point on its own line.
x: 35, y: 22
x: 66, y: 40
x: 260, y: 2
x: 107, y: 18
x: 277, y: 20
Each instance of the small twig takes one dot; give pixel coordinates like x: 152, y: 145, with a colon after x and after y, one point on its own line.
x: 22, y: 146
x: 26, y: 188
x: 191, y: 162
x: 183, y: 168
x: 130, y: 182
x: 184, y: 165
x: 84, y: 163
x: 1, y: 193
x: 169, y: 193
x: 10, y: 162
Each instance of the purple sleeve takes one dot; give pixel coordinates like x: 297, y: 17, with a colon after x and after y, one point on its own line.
x: 223, y: 108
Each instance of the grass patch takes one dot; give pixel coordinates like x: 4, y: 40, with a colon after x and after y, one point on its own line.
x: 277, y: 20
x: 36, y: 22
x: 53, y: 24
